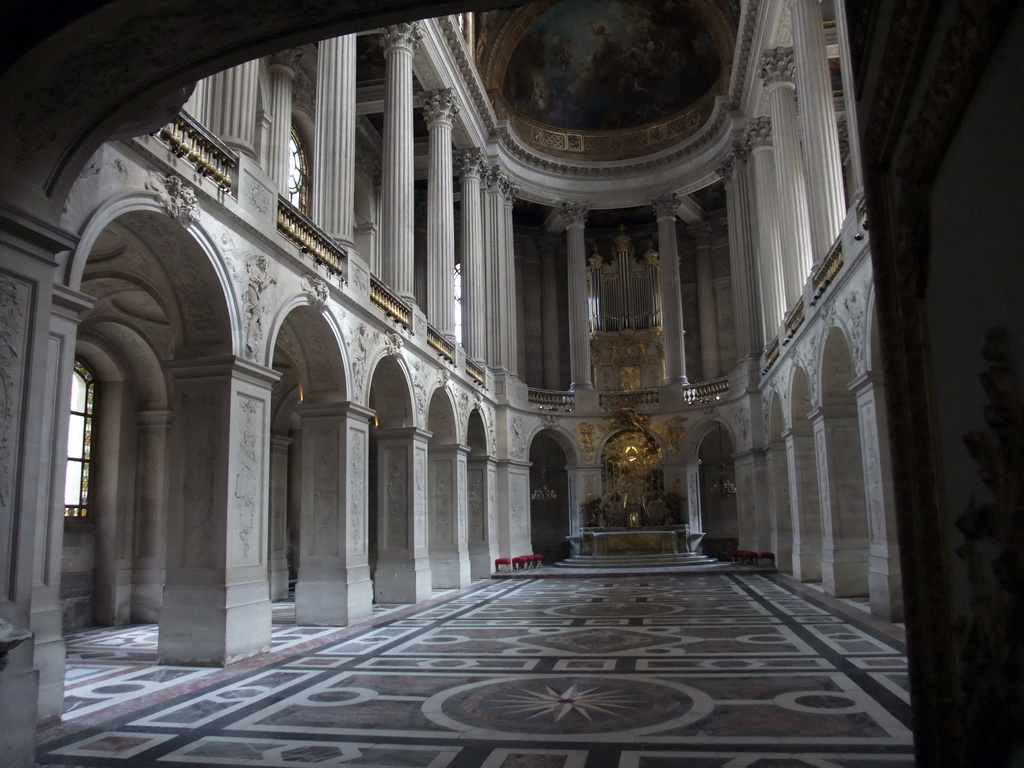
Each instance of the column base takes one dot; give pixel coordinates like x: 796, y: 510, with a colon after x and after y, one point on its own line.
x: 885, y: 584
x: 806, y: 563
x: 481, y: 563
x: 336, y: 602
x: 212, y: 626
x: 449, y: 569
x: 401, y: 580
x: 18, y: 695
x: 844, y: 569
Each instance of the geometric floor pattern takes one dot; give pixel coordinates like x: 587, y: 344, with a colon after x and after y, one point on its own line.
x: 658, y: 671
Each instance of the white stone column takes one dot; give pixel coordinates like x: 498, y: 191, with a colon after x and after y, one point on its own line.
x: 665, y: 208
x: 885, y: 579
x: 48, y: 654
x: 334, y: 155
x: 403, y: 565
x: 439, y: 108
x: 825, y: 193
x: 513, y: 510
x: 694, y: 509
x: 448, y: 515
x: 804, y: 504
x: 232, y: 106
x: 216, y: 606
x: 844, y: 546
x: 334, y: 587
x: 196, y: 104
x: 550, y: 300
x: 474, y: 278
x: 397, y: 193
x: 500, y: 271
x: 777, y: 469
x: 508, y: 298
x: 776, y: 69
x: 278, y: 565
x: 746, y: 301
x: 701, y: 235
x: 855, y: 173
x: 481, y: 495
x: 153, y: 432
x: 769, y: 242
x: 282, y: 78
x: 575, y: 217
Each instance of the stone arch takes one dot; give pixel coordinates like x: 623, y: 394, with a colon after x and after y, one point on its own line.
x: 804, y: 488
x: 312, y: 341
x: 841, y: 473
x: 390, y: 392
x: 476, y: 434
x: 781, y: 535
x: 714, y: 445
x: 481, y: 479
x: 552, y: 504
x: 446, y: 495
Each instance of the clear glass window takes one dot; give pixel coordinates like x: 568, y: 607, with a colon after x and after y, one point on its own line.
x: 298, y: 174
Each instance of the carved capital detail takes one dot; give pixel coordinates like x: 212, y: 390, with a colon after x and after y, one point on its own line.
x: 498, y: 181
x: 440, y: 106
x: 759, y: 132
x: 405, y: 36
x: 666, y: 205
x: 288, y: 60
x: 776, y: 66
x: 574, y: 213
x: 470, y: 163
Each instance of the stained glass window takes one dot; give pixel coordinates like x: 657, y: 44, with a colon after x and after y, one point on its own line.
x: 77, y: 482
x: 298, y: 174
x: 457, y: 309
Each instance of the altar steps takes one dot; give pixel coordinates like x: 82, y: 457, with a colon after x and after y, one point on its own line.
x: 653, y: 560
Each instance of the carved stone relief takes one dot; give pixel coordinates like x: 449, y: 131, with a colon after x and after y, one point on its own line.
x: 15, y: 300
x: 254, y: 311
x: 396, y: 496
x: 517, y: 444
x: 360, y: 341
x: 248, y: 478
x: 443, y: 502
x: 198, y: 416
x: 325, y: 506
x: 316, y: 288
x: 176, y: 197
x: 357, y: 490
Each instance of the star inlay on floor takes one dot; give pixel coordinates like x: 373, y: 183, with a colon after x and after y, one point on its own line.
x: 709, y: 671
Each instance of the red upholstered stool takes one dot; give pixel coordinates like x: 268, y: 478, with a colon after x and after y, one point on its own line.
x: 521, y: 562
x: 769, y: 556
x: 536, y: 561
x: 502, y: 561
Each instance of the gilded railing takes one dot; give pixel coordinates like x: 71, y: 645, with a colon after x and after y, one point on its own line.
x: 476, y: 373
x: 827, y: 270
x: 440, y: 344
x: 794, y: 320
x: 707, y: 391
x: 634, y: 398
x: 552, y: 399
x: 310, y: 238
x: 388, y: 301
x: 188, y: 140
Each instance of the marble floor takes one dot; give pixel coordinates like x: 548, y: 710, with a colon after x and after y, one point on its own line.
x: 709, y: 671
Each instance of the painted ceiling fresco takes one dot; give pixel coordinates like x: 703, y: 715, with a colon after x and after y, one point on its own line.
x: 598, y: 65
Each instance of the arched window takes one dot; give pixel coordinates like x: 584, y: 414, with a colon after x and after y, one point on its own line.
x: 298, y: 173
x: 77, y: 482
x: 457, y: 309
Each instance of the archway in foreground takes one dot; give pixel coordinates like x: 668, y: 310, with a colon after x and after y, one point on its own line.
x: 550, y: 514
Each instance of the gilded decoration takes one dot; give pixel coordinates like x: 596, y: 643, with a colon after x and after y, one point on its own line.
x: 672, y: 432
x: 588, y: 436
x: 548, y: 66
x: 627, y: 360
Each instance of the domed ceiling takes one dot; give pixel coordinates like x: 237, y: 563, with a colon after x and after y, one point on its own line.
x: 608, y: 79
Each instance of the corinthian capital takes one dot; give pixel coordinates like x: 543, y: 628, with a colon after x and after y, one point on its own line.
x: 666, y: 205
x: 498, y: 181
x: 440, y: 106
x: 776, y: 66
x: 759, y: 132
x: 288, y: 60
x: 401, y: 36
x: 470, y: 163
x: 574, y: 213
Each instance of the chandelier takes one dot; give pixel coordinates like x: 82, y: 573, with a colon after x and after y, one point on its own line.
x: 543, y: 492
x: 722, y: 487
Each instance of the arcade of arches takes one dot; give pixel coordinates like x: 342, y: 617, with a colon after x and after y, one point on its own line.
x: 369, y: 312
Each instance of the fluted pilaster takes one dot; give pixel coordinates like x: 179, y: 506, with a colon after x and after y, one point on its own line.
x: 282, y: 78
x: 777, y: 72
x: 769, y: 241
x: 746, y: 302
x: 508, y: 303
x: 439, y: 108
x: 706, y: 306
x: 818, y: 126
x: 397, y: 193
x: 575, y: 217
x: 232, y: 106
x: 665, y: 208
x: 334, y: 170
x: 474, y: 279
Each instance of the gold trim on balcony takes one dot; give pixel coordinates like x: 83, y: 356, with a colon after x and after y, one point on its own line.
x: 476, y: 373
x: 190, y: 141
x: 382, y: 297
x: 440, y: 344
x: 794, y: 321
x: 310, y: 238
